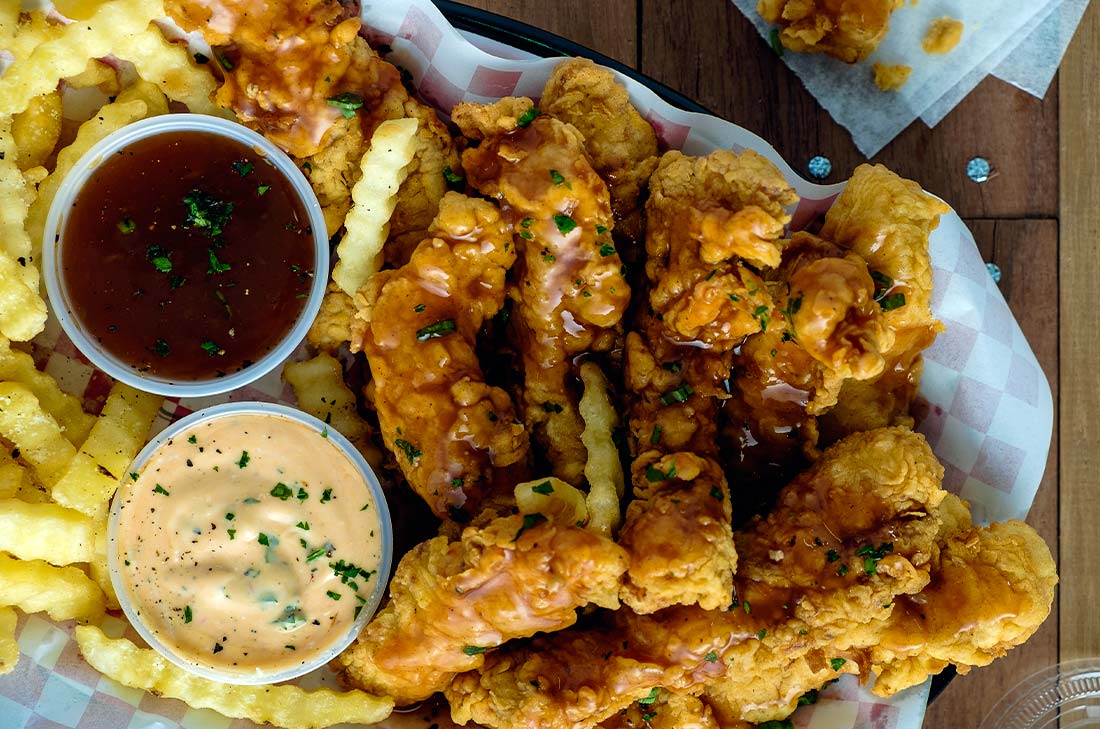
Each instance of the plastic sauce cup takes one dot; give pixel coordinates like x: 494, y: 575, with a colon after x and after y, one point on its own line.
x: 53, y: 242
x: 372, y: 489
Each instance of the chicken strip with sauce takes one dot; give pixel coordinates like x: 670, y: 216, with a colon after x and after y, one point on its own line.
x: 448, y: 429
x: 569, y: 290
x: 450, y: 602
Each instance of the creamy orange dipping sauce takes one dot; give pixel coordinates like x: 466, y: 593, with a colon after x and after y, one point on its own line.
x: 248, y: 542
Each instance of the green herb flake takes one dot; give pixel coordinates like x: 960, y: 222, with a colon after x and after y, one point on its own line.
x: 263, y: 539
x: 419, y: 308
x: 566, y: 224
x: 158, y: 489
x: 529, y: 521
x: 348, y: 103
x: 527, y: 117
x: 216, y: 264
x: 655, y: 475
x: 648, y: 715
x: 556, y: 177
x: 457, y: 482
x: 126, y: 226
x: 672, y: 367
x: 776, y: 44
x: 316, y: 554
x: 808, y: 698
x: 893, y: 301
x: 842, y: 571
x: 434, y: 331
x: 230, y: 516
x: 473, y: 650
x: 206, y: 213
x: 760, y: 313
x: 243, y: 167
x: 837, y: 663
x: 212, y: 348
x: 187, y: 614
x: 243, y: 460
x: 452, y: 177
x: 601, y: 229
x: 262, y: 190
x: 160, y: 348
x: 747, y: 607
x: 543, y: 488
x: 680, y: 394
x: 651, y: 697
x: 832, y: 555
x: 282, y: 491
x: 412, y: 453
x: 333, y: 595
x: 711, y: 657
x: 302, y: 494
x: 716, y: 494
x: 761, y: 633
x: 232, y: 534
x: 326, y: 496
x: 656, y: 437
x: 607, y: 250
x: 133, y: 476
x: 193, y: 440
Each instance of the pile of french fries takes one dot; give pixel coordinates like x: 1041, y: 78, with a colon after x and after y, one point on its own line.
x: 60, y: 466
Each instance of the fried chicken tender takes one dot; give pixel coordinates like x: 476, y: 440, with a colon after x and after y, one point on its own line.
x: 621, y: 144
x: 451, y: 601
x: 569, y: 289
x: 447, y: 427
x: 678, y: 534
x: 667, y: 711
x: 887, y: 220
x: 848, y: 30
x: 333, y: 324
x: 802, y: 583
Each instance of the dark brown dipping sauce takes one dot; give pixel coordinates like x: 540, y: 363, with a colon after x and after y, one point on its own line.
x: 187, y: 255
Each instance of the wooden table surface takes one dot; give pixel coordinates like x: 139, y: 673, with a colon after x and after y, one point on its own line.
x: 708, y: 51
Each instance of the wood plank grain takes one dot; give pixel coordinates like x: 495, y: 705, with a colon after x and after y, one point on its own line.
x: 716, y: 57
x: 1027, y: 252
x: 1080, y: 345
x: 609, y: 26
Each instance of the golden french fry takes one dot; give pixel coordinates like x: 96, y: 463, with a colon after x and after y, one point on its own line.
x: 118, y: 434
x: 63, y: 593
x: 285, y: 706
x: 603, y: 470
x: 22, y: 37
x: 156, y: 103
x: 171, y: 67
x: 96, y: 74
x: 49, y: 532
x: 9, y: 648
x: 98, y: 568
x: 11, y: 476
x: 374, y: 197
x: 68, y: 52
x: 9, y: 20
x: 111, y: 117
x: 18, y: 366
x: 34, y: 432
x: 554, y: 499
x: 22, y: 310
x: 37, y: 130
x: 319, y: 386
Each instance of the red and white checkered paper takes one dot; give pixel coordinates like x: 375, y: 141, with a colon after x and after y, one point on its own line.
x: 989, y: 406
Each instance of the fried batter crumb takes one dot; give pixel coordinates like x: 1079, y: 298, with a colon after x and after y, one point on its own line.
x: 891, y: 78
x: 942, y: 36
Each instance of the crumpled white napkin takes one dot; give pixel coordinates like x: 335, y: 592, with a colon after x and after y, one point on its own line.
x: 1020, y: 42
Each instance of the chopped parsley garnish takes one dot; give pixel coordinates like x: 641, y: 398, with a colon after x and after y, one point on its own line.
x: 526, y: 235
x: 160, y: 348
x: 711, y: 657
x: 187, y: 614
x: 457, y: 482
x: 837, y: 663
x: 556, y: 177
x: 419, y: 308
x: 651, y: 697
x: 347, y: 571
x: 654, y: 475
x: 348, y: 103
x: 526, y: 222
x: 282, y: 491
x: 543, y: 488
x: 452, y: 177
x: 434, y: 331
x: 302, y: 494
x: 243, y: 460
x: 206, y: 212
x: 411, y: 452
x: 158, y: 489
x: 529, y: 521
x: 262, y: 190
x: 656, y: 437
x: 127, y: 226
x: 232, y: 533
x: 832, y: 555
x: 303, y: 525
x: 871, y: 555
x: 326, y: 496
x: 252, y: 572
x: 243, y: 167
x: 566, y: 224
x: 893, y: 301
x: 264, y: 539
x: 527, y: 117
x: 647, y: 715
x: 473, y: 650
x: 607, y: 250
x: 216, y: 265
x: 808, y: 698
x: 773, y: 40
x: 316, y: 554
x: 551, y: 407
x: 760, y: 313
x: 133, y: 476
x: 842, y: 571
x: 333, y: 595
x: 680, y: 394
x: 201, y: 59
x: 883, y: 284
x: 747, y: 607
x: 672, y: 367
x: 230, y: 516
x: 761, y: 633
x: 224, y: 62
x: 211, y: 348
x: 716, y: 494
x: 193, y: 440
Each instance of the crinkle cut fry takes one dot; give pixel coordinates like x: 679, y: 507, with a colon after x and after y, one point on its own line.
x: 788, y: 606
x: 450, y: 602
x: 447, y: 428
x: 569, y: 288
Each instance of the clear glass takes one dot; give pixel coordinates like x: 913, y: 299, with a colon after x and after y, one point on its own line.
x: 1065, y: 696
x: 371, y: 484
x: 53, y: 240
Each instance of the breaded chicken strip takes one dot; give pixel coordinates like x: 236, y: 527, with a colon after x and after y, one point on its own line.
x: 447, y: 428
x: 621, y: 144
x: 569, y: 289
x: 846, y: 539
x: 848, y: 30
x: 450, y: 602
